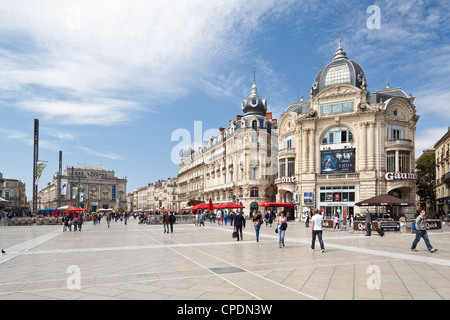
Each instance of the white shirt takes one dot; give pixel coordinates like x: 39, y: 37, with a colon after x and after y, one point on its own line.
x: 317, y: 219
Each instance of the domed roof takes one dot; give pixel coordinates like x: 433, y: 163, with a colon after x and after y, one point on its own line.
x: 339, y: 70
x: 254, y: 104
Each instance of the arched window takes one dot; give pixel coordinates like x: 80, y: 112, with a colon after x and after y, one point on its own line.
x: 255, y: 125
x: 337, y: 135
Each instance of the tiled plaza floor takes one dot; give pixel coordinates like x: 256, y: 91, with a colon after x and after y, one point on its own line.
x: 204, y: 263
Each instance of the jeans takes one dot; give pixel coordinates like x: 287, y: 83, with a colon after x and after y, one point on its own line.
x: 421, y: 234
x: 318, y: 233
x: 281, y: 234
x: 257, y: 232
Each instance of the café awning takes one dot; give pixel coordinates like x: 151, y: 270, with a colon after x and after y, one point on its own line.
x: 384, y: 200
x: 277, y: 204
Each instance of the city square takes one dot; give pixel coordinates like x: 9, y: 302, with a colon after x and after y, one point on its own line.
x: 139, y: 261
x: 317, y: 114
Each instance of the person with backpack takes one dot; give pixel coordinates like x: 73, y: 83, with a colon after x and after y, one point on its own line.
x: 420, y: 226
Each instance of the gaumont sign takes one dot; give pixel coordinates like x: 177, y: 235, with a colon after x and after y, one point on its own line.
x: 285, y: 180
x: 389, y: 176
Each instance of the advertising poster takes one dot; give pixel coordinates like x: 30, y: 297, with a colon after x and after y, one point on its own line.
x: 337, y: 161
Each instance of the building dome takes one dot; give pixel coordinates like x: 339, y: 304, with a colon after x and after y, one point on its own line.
x: 340, y: 70
x: 254, y: 104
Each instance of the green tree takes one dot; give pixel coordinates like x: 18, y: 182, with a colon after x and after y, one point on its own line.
x: 426, y: 181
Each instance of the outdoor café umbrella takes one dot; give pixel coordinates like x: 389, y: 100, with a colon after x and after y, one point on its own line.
x: 210, y: 206
x: 231, y: 205
x: 384, y: 200
x: 276, y: 204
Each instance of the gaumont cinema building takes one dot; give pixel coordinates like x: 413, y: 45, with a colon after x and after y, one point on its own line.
x: 346, y: 144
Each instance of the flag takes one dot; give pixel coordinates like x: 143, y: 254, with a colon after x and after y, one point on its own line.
x: 64, y: 183
x: 40, y: 166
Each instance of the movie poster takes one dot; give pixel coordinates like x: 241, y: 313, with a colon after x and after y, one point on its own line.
x: 337, y: 161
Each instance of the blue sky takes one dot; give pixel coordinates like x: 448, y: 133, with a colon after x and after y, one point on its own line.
x: 110, y: 81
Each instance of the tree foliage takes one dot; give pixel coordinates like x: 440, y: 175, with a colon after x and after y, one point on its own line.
x: 426, y: 181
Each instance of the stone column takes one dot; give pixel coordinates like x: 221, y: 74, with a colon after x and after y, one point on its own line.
x: 371, y: 146
x: 363, y: 147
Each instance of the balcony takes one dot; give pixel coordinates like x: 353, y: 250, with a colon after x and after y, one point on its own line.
x: 286, y: 152
x: 446, y: 178
x: 398, y: 143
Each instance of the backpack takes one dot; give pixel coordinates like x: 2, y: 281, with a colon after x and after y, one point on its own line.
x: 413, y: 225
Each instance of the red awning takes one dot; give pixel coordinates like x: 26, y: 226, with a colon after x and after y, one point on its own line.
x: 277, y: 204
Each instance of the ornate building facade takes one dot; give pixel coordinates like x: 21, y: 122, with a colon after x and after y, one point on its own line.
x: 237, y: 165
x: 346, y: 144
x: 85, y: 186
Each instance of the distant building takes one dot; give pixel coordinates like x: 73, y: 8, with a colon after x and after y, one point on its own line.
x: 85, y: 186
x: 13, y: 190
x: 442, y: 150
x: 238, y: 164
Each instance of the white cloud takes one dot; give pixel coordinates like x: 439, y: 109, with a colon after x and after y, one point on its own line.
x: 427, y: 138
x: 90, y: 58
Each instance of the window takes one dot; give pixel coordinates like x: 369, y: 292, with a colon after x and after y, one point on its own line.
x: 254, y: 125
x: 337, y: 74
x: 254, y: 173
x: 254, y: 138
x: 337, y: 135
x: 404, y: 161
x: 337, y: 107
x: 254, y: 193
x: 395, y: 132
x: 291, y: 167
x: 282, y: 172
x: 390, y: 161
x: 288, y: 142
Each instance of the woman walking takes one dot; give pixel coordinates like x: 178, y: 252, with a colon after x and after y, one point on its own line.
x: 257, y: 221
x: 282, y: 226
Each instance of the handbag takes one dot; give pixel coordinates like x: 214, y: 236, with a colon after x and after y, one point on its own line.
x: 235, y: 234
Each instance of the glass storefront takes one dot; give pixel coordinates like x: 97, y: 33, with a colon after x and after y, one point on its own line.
x: 338, y: 200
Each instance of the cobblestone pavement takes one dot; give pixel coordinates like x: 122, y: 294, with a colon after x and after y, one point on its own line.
x: 204, y: 263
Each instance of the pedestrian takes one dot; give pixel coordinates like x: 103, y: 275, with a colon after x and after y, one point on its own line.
x: 166, y: 220
x: 202, y: 217
x: 66, y: 223
x: 80, y: 222
x: 108, y: 219
x: 336, y: 222
x: 239, y: 223
x: 125, y: 215
x: 282, y: 226
x: 368, y: 224
x: 316, y: 229
x: 172, y: 219
x: 421, y: 232
x: 257, y: 221
x: 307, y: 220
x: 75, y: 223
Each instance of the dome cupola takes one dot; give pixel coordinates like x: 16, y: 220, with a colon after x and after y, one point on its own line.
x: 254, y: 104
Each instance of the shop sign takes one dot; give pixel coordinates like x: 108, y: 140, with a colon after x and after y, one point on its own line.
x: 285, y: 180
x: 389, y: 176
x: 390, y: 225
x: 327, y: 223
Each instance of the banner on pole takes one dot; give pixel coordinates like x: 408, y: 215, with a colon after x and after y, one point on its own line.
x: 40, y: 166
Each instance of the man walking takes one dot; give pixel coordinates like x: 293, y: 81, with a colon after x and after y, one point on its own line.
x: 421, y: 232
x: 172, y: 219
x: 316, y: 229
x: 239, y: 222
